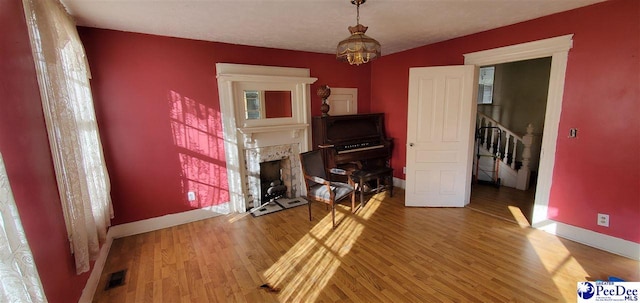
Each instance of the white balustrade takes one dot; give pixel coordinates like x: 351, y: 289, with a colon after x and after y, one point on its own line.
x: 510, y: 145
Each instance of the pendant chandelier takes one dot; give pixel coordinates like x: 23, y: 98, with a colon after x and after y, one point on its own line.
x: 358, y: 48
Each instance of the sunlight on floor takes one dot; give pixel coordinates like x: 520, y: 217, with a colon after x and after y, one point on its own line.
x: 238, y: 217
x: 564, y: 269
x: 304, y: 271
x: 519, y: 216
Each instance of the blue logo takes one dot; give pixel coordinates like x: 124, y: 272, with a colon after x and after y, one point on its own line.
x: 586, y: 290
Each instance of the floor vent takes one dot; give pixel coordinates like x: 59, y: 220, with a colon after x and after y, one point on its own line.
x: 116, y: 279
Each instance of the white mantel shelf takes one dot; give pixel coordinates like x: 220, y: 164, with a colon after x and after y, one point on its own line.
x: 295, y: 130
x: 274, y: 128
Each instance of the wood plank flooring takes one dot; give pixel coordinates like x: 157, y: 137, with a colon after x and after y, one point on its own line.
x: 503, y: 202
x: 383, y: 253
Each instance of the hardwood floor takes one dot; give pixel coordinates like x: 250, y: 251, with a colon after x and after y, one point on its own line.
x: 383, y: 253
x: 503, y: 202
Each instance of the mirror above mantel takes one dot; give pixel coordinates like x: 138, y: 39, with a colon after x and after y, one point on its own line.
x: 265, y: 95
x: 267, y: 104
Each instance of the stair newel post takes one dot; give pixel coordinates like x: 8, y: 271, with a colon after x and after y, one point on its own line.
x: 507, y: 136
x: 524, y: 173
x: 514, y: 145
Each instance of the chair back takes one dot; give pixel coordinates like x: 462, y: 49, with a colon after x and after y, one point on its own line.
x: 312, y: 164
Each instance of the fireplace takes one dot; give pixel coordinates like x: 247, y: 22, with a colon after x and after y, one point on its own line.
x: 288, y: 166
x: 271, y: 186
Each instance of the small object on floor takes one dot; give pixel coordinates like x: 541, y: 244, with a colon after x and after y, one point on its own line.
x: 290, y: 203
x: 277, y: 205
x: 270, y: 288
x: 266, y: 208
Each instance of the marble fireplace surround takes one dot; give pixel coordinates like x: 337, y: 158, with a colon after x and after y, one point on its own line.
x: 249, y: 142
x: 290, y: 170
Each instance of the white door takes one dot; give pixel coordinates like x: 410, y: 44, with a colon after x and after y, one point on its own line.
x: 343, y: 101
x: 440, y: 131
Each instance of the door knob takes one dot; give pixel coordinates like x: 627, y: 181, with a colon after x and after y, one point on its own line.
x: 410, y: 144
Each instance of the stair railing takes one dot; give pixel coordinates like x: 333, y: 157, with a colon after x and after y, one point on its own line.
x: 508, y: 149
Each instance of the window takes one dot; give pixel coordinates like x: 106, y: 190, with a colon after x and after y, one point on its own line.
x: 81, y: 173
x: 485, y: 84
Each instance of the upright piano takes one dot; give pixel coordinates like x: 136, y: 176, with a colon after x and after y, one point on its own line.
x: 352, y: 141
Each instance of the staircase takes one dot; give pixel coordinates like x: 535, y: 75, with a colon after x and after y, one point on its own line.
x: 502, y: 157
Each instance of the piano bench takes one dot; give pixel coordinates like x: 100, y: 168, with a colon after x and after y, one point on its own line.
x: 375, y: 173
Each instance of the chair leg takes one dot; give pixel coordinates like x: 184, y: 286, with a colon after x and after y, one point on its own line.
x: 333, y: 215
x: 353, y: 202
x: 309, y: 204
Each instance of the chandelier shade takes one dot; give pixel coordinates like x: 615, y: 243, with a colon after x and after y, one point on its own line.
x: 358, y: 48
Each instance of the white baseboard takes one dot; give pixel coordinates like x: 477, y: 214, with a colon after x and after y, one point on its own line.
x: 92, y: 283
x: 143, y: 226
x: 147, y: 225
x: 397, y: 182
x: 590, y: 238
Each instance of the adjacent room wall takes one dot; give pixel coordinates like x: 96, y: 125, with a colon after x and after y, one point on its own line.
x: 520, y: 95
x: 599, y: 172
x: 25, y: 148
x: 519, y: 98
x: 159, y: 114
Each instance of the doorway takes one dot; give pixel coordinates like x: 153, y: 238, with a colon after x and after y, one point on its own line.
x: 517, y: 102
x: 557, y: 48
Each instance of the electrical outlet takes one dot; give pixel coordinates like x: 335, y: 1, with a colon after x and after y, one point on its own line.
x: 404, y: 170
x: 191, y: 196
x: 573, y: 133
x: 603, y: 220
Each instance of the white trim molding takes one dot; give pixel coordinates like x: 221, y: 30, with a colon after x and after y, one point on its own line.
x: 520, y: 52
x: 558, y: 49
x: 604, y: 242
x: 397, y: 182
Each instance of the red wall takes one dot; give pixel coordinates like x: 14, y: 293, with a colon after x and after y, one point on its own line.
x: 159, y: 114
x: 25, y: 149
x: 599, y: 172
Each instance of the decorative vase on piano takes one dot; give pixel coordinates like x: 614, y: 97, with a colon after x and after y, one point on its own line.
x: 324, y: 92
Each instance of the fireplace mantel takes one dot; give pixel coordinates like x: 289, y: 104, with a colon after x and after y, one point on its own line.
x: 243, y: 136
x: 293, y: 129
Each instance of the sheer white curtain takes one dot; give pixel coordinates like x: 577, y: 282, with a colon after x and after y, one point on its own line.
x: 63, y: 76
x: 19, y: 280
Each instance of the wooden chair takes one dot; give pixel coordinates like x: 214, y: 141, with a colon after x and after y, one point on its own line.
x: 319, y: 188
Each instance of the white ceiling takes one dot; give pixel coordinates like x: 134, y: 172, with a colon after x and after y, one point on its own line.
x: 312, y: 25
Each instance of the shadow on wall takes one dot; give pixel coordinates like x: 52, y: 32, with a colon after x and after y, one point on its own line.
x: 197, y: 135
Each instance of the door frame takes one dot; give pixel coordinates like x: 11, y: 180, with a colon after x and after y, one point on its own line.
x: 343, y: 91
x: 558, y: 49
